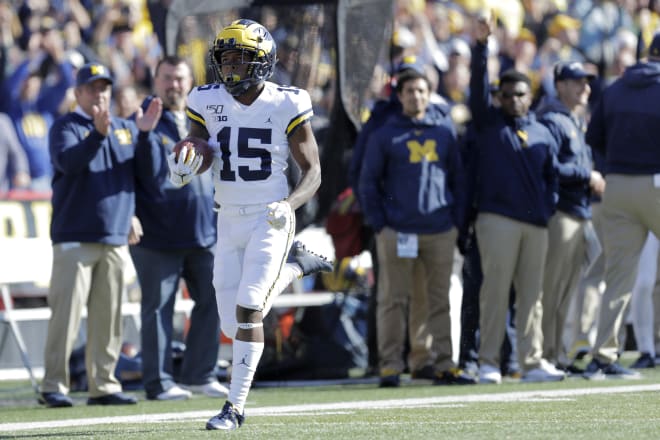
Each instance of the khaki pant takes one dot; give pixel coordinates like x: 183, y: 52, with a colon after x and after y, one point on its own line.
x: 564, y: 266
x: 396, y: 281
x: 418, y: 332
x: 511, y: 251
x: 588, y: 297
x: 92, y: 275
x: 631, y: 207
x: 642, y: 299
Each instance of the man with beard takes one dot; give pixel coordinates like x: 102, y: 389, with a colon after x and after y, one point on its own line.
x: 179, y: 237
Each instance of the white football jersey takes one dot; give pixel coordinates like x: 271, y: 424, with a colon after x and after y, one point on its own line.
x: 252, y: 141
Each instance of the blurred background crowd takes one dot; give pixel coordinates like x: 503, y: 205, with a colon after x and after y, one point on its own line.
x: 43, y: 43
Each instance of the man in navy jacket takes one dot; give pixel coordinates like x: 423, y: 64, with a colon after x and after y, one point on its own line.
x: 515, y: 189
x: 625, y: 126
x: 419, y: 357
x: 93, y: 204
x: 411, y: 185
x: 569, y: 226
x: 179, y: 227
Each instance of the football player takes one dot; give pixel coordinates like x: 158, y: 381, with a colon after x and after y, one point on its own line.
x: 254, y: 125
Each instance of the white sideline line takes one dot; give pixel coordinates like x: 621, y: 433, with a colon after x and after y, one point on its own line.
x: 338, y: 406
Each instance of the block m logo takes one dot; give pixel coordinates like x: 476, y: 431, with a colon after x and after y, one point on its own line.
x: 419, y: 152
x: 97, y: 69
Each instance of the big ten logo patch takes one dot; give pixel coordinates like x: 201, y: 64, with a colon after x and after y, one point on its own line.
x: 426, y: 151
x: 25, y: 218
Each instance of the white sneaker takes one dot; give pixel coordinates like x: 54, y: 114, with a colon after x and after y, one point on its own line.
x: 545, y: 372
x: 174, y: 393
x: 489, y: 374
x: 211, y: 389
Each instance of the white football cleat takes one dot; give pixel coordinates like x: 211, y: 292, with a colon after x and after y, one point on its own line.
x: 227, y: 420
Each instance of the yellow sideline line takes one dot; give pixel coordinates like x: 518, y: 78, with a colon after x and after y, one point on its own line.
x: 323, y: 407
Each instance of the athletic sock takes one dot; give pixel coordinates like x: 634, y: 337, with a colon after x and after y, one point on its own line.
x: 244, y: 365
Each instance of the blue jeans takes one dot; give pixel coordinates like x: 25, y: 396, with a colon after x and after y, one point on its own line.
x: 159, y: 273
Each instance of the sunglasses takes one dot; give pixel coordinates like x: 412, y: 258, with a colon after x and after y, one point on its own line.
x: 508, y: 95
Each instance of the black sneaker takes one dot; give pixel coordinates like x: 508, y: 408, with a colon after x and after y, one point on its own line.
x: 227, y: 420
x: 55, y: 400
x: 308, y: 261
x: 513, y: 374
x: 112, y: 399
x: 644, y: 361
x: 454, y: 376
x: 426, y: 372
x: 389, y: 378
x: 571, y: 369
x: 597, y: 370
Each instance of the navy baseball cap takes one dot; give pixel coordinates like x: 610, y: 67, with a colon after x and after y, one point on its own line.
x: 409, y: 63
x: 654, y: 48
x: 91, y: 72
x: 571, y: 70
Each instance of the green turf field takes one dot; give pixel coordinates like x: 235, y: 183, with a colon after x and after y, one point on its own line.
x: 573, y: 409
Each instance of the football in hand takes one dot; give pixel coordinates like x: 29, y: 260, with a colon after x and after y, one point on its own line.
x: 200, y: 147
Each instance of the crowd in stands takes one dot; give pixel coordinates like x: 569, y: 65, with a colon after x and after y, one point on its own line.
x: 42, y: 44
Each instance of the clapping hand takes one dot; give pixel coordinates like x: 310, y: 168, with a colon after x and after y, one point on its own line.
x: 148, y: 119
x: 101, y: 118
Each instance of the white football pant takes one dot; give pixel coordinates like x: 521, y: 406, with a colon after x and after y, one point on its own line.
x: 250, y: 258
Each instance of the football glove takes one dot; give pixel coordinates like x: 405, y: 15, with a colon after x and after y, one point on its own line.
x: 278, y: 213
x: 183, y: 171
